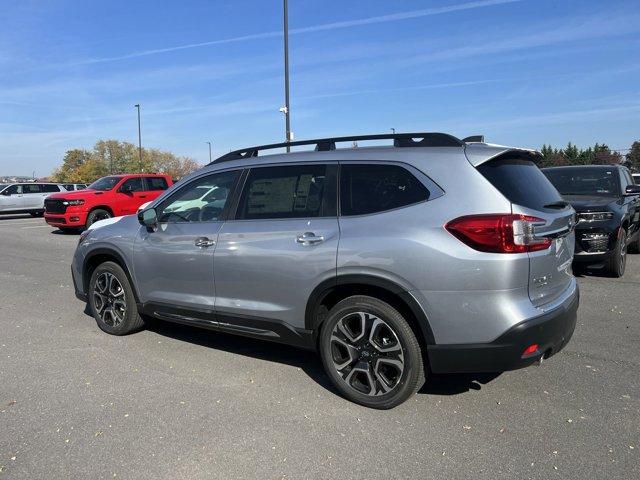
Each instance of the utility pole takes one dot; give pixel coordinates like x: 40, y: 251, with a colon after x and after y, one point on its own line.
x: 137, y: 105
x: 209, y: 151
x: 287, y: 108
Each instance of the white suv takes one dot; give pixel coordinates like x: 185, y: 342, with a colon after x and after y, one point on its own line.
x: 26, y: 197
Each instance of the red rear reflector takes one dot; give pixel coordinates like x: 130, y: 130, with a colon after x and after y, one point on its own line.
x: 499, y: 233
x: 530, y: 350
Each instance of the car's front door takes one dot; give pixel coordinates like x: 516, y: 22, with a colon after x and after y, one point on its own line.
x: 11, y: 198
x: 281, y: 243
x: 129, y: 196
x: 173, y: 265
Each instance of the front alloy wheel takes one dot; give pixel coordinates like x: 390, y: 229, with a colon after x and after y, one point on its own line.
x: 109, y: 299
x: 371, y: 353
x: 112, y: 300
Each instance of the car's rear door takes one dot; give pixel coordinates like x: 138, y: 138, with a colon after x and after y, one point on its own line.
x: 531, y: 194
x: 153, y: 187
x: 32, y: 197
x: 280, y: 245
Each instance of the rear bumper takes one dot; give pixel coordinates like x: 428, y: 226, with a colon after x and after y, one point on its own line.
x: 551, y: 331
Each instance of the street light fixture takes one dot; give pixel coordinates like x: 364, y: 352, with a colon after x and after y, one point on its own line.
x: 209, y: 151
x: 137, y: 105
x: 393, y: 130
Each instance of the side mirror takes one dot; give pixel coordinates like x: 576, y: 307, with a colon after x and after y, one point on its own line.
x: 632, y: 190
x: 148, y: 218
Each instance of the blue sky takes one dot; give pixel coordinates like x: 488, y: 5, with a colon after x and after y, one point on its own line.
x: 522, y: 72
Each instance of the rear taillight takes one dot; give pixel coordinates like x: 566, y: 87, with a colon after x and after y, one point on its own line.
x: 499, y: 233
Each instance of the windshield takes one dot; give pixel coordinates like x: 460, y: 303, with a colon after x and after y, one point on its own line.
x: 104, y: 184
x: 585, y: 181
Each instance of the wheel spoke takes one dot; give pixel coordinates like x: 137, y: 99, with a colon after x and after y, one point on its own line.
x: 347, y: 329
x: 344, y: 347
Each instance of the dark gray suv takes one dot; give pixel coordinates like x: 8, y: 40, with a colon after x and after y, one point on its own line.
x: 431, y: 254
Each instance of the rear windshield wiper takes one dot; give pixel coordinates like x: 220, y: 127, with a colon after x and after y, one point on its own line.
x: 560, y: 204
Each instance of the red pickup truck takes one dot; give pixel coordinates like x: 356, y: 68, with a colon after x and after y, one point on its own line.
x: 111, y: 196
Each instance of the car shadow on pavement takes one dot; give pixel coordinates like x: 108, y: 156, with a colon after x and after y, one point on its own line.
x: 15, y: 216
x: 306, y: 360
x: 456, y: 383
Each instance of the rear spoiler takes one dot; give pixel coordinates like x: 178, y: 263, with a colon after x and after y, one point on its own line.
x: 479, y: 153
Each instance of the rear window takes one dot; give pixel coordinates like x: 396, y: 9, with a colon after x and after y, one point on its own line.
x: 520, y: 181
x: 156, y: 183
x: 47, y: 188
x: 373, y: 188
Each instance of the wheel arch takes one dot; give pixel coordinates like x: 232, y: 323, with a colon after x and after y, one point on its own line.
x: 101, y: 207
x: 99, y: 256
x: 331, y: 291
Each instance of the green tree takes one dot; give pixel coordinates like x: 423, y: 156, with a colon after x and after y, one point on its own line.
x: 114, y: 156
x: 633, y: 157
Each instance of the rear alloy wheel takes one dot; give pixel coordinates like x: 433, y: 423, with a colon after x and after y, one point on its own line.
x: 617, y: 264
x: 112, y: 301
x: 97, y: 215
x: 371, y: 353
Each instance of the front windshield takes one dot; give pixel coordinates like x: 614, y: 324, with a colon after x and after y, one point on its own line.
x: 585, y: 181
x: 104, y: 183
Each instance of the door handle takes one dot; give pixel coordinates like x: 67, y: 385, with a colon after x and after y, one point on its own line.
x: 309, y: 238
x: 204, y: 242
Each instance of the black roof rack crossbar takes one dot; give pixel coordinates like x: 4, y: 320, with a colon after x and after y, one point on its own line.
x: 328, y: 144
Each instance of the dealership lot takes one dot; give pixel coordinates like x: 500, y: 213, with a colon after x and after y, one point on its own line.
x: 174, y: 402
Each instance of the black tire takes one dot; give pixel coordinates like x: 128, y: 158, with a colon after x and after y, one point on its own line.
x: 106, y: 294
x: 617, y: 263
x: 374, y: 383
x: 634, y: 246
x: 97, y: 214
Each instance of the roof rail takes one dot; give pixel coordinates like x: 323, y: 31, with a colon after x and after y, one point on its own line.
x: 328, y: 144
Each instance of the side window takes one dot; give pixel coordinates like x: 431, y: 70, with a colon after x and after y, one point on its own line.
x: 48, y: 188
x: 201, y: 200
x: 628, y: 180
x: 295, y: 191
x: 156, y: 183
x: 31, y: 188
x: 132, y: 185
x: 13, y: 190
x: 372, y: 188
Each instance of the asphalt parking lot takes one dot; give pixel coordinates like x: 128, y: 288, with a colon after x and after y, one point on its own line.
x: 175, y: 402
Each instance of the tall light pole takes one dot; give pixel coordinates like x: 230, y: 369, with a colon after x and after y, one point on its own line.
x: 137, y: 105
x: 287, y: 109
x: 209, y: 151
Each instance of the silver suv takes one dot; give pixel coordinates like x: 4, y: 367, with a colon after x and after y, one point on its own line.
x: 432, y: 254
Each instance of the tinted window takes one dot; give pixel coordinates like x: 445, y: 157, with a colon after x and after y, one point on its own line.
x: 47, y: 188
x: 201, y: 200
x: 585, y: 180
x: 31, y: 188
x: 68, y: 186
x: 375, y: 188
x: 520, y: 181
x: 13, y: 190
x: 156, y: 183
x: 132, y: 185
x: 294, y: 191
